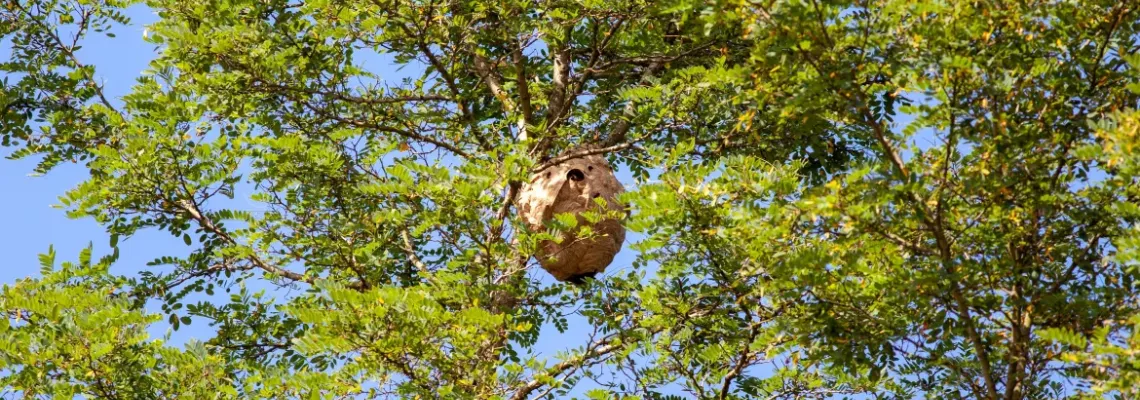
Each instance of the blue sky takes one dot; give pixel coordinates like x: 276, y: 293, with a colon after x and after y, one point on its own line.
x: 33, y: 224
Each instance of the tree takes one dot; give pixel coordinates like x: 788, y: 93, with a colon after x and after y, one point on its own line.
x: 891, y: 198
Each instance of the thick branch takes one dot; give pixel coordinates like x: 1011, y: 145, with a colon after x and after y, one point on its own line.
x: 881, y: 137
x: 558, y: 99
x: 523, y: 88
x: 488, y: 73
x: 745, y: 357
x: 961, y: 303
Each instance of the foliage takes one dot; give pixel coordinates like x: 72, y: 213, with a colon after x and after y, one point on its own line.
x: 1108, y: 356
x: 891, y: 198
x: 71, y: 332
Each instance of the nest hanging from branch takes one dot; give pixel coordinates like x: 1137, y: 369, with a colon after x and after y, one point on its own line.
x: 572, y: 187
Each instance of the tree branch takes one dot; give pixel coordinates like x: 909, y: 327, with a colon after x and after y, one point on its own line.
x: 961, y: 304
x: 410, y: 250
x: 599, y: 349
x: 402, y: 132
x: 595, y: 55
x: 745, y: 357
x: 194, y: 213
x: 579, y: 154
x: 259, y: 83
x: 67, y: 51
x: 617, y: 135
x: 558, y: 99
x: 487, y: 72
x: 523, y: 88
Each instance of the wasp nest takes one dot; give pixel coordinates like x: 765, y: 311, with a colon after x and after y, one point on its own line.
x: 571, y: 187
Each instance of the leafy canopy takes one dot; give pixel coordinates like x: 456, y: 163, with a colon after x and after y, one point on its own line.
x: 900, y: 199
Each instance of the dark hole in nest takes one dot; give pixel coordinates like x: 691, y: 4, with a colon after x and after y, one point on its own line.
x: 575, y: 175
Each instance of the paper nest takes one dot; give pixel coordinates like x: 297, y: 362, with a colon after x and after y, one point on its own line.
x: 570, y: 187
